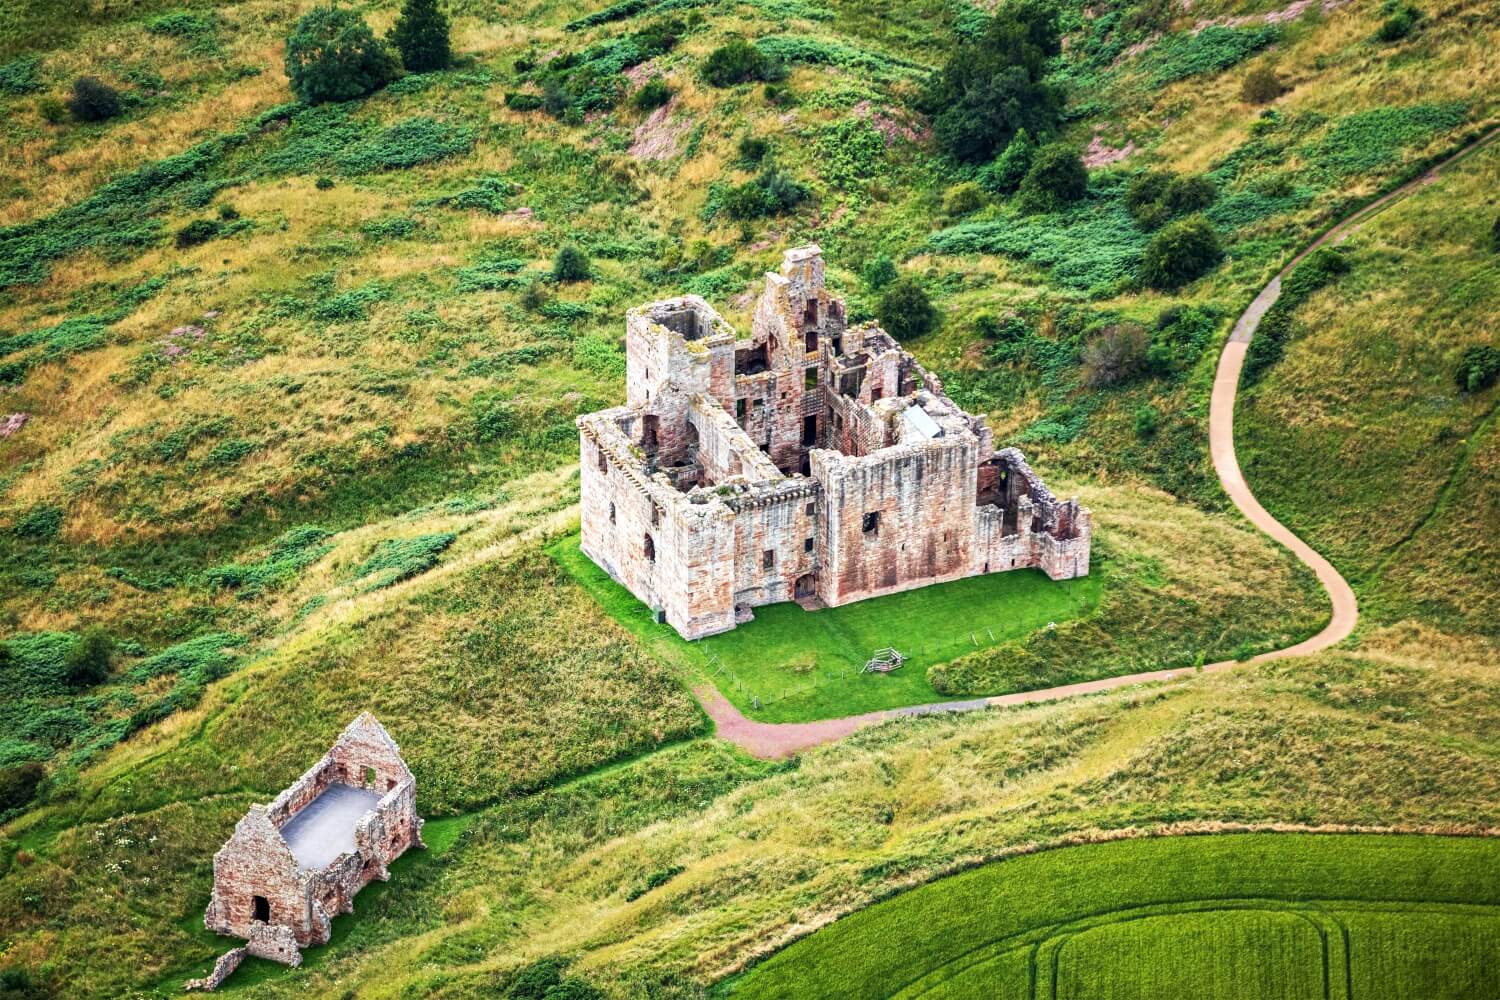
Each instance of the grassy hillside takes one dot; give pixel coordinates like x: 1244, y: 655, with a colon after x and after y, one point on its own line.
x: 1368, y: 382
x: 312, y: 465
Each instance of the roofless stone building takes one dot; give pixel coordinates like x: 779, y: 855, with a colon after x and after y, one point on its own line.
x: 295, y: 864
x: 812, y: 461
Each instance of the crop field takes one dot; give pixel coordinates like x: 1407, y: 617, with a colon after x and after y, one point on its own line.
x: 1235, y: 917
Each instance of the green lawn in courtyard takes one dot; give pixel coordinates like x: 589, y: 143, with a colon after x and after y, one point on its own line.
x: 791, y: 665
x: 1265, y: 916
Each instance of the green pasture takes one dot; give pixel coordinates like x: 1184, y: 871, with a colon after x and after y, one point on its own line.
x: 791, y: 665
x: 1231, y: 917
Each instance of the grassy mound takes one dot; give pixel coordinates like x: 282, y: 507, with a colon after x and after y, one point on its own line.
x: 1245, y: 916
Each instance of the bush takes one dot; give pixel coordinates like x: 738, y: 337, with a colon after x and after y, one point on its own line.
x: 420, y: 34
x: 993, y: 87
x: 1005, y: 174
x: 19, y: 76
x: 1180, y: 253
x: 52, y: 110
x: 228, y: 213
x: 1114, y: 354
x: 518, y: 101
x: 533, y: 981
x: 18, y: 785
x: 964, y: 198
x: 41, y: 521
x: 196, y: 232
x: 1401, y: 19
x: 332, y: 55
x: 1156, y: 197
x: 769, y: 193
x: 1146, y: 421
x: 1495, y: 235
x: 904, y: 309
x: 738, y: 62
x: 570, y: 264
x: 753, y: 150
x: 1478, y: 368
x: 93, y: 100
x: 879, y: 272
x: 652, y: 95
x: 323, y: 183
x: 1261, y: 86
x: 88, y: 661
x: 1057, y: 178
x: 1178, y: 339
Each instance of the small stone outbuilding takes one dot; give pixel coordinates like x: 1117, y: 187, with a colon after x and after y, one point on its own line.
x: 293, y: 865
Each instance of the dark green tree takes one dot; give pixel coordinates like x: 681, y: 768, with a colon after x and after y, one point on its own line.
x: 1158, y: 196
x: 993, y: 87
x: 1057, y: 178
x: 18, y: 785
x: 1005, y: 174
x: 904, y: 309
x: 93, y: 100
x: 87, y: 662
x: 421, y: 36
x: 879, y: 272
x: 332, y: 55
x: 1180, y: 253
x: 570, y: 264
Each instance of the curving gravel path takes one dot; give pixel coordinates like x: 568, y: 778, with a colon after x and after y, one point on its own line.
x: 772, y: 740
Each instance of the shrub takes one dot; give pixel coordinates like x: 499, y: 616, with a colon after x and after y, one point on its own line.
x: 18, y: 785
x: 738, y: 61
x: 574, y: 988
x: 1180, y: 253
x: 323, y: 183
x: 753, y: 150
x: 1156, y: 197
x: 87, y: 663
x: 771, y: 192
x: 18, y: 76
x: 1005, y: 174
x: 196, y: 232
x: 652, y: 95
x: 1114, y: 354
x: 332, y: 55
x: 1495, y: 235
x: 1146, y: 421
x: 420, y: 34
x: 1178, y: 339
x: 964, y: 198
x: 1057, y: 178
x: 533, y: 981
x: 41, y: 521
x: 879, y: 272
x: 993, y: 87
x: 228, y: 213
x: 1319, y: 268
x: 904, y: 309
x: 518, y: 101
x: 1400, y: 20
x: 93, y: 100
x: 570, y: 264
x: 1478, y: 368
x: 1261, y: 86
x: 52, y: 110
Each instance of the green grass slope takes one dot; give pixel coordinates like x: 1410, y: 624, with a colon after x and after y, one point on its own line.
x: 1250, y: 916
x: 1364, y: 412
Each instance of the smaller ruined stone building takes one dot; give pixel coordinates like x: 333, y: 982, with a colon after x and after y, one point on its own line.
x: 293, y: 865
x: 814, y: 460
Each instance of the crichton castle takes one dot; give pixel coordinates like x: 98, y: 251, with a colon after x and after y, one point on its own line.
x: 812, y: 461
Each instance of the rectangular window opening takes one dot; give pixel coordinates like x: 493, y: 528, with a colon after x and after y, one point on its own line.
x: 871, y: 523
x: 768, y: 559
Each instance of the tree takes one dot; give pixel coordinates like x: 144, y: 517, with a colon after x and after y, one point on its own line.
x: 1181, y: 252
x: 992, y: 88
x: 904, y: 310
x: 570, y: 264
x: 1261, y: 86
x: 964, y: 198
x: 879, y: 272
x: 93, y: 100
x: 1057, y: 178
x: 332, y: 55
x: 1006, y: 172
x: 421, y: 36
x: 87, y: 661
x: 1478, y: 368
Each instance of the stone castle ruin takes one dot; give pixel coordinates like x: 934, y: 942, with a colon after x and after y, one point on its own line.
x: 812, y: 461
x: 295, y: 864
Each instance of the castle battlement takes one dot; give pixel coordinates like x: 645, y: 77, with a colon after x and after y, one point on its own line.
x: 808, y: 461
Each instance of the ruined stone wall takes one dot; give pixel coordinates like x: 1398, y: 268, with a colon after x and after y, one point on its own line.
x: 619, y: 512
x: 772, y: 531
x: 724, y: 449
x: 255, y: 861
x: 900, y: 518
